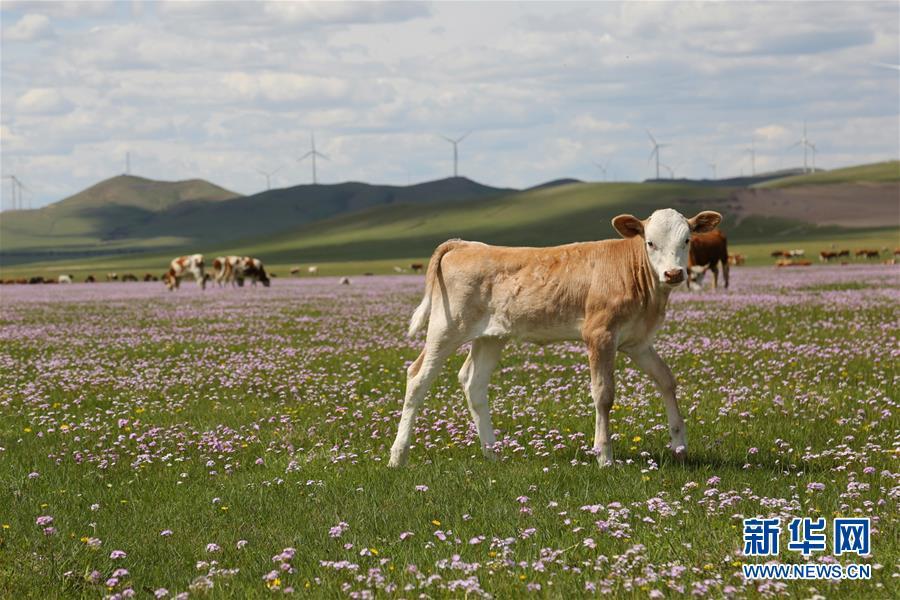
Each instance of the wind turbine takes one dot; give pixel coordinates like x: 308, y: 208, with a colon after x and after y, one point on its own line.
x: 752, y: 151
x: 604, y: 168
x: 669, y: 169
x: 313, y: 153
x: 886, y: 66
x: 456, y: 151
x: 268, y: 175
x: 655, y: 151
x: 16, y: 187
x: 712, y: 165
x: 804, y: 141
x: 128, y: 163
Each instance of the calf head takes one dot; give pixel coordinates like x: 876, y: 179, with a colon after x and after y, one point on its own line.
x: 667, y: 236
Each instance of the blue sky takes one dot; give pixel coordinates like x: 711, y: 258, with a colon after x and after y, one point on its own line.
x: 222, y: 90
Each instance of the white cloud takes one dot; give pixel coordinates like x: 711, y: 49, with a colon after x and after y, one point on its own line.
x: 42, y: 101
x: 224, y: 88
x: 29, y: 28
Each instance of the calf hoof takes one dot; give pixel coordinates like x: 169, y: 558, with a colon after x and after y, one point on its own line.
x: 398, y: 458
x: 489, y: 454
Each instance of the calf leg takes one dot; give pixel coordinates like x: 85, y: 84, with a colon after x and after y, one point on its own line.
x: 602, y: 355
x: 715, y: 271
x: 474, y: 377
x: 725, y: 267
x: 419, y: 377
x: 651, y: 364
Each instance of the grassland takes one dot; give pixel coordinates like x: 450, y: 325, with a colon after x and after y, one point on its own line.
x: 884, y: 172
x: 233, y: 444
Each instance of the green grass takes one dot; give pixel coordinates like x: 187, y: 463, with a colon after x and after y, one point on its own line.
x: 885, y: 172
x: 313, y: 375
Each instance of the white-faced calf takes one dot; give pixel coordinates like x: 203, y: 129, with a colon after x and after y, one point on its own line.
x: 611, y: 294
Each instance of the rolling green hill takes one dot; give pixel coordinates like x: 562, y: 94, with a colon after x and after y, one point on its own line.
x: 380, y: 227
x: 884, y: 172
x: 129, y: 214
x: 103, y: 214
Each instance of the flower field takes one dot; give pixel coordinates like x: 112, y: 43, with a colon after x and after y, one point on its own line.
x: 234, y: 443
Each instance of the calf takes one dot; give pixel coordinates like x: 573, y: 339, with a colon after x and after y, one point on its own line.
x: 708, y: 250
x: 64, y: 279
x: 611, y: 294
x: 181, y: 266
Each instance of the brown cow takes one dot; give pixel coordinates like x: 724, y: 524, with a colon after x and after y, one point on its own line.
x: 417, y: 267
x: 827, y: 255
x: 708, y: 250
x: 611, y: 294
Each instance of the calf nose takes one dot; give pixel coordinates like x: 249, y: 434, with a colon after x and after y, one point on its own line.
x: 674, y: 276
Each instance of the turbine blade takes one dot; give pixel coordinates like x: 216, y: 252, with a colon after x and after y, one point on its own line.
x: 320, y: 155
x: 464, y: 136
x: 276, y: 170
x: 652, y: 139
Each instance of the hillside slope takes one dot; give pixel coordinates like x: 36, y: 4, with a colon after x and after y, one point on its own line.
x: 103, y: 213
x: 129, y: 214
x: 883, y: 172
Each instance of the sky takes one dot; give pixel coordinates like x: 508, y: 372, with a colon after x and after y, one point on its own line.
x: 224, y: 90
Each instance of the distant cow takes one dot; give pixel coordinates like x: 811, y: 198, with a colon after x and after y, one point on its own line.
x: 36, y: 280
x: 150, y: 277
x: 345, y: 281
x: 736, y: 259
x: 793, y: 263
x: 417, y: 267
x: 610, y: 294
x: 129, y: 277
x: 64, y: 279
x: 796, y: 253
x: 251, y: 269
x: 708, y: 250
x: 89, y: 279
x: 182, y: 266
x: 112, y: 277
x: 780, y: 254
x: 844, y: 253
x: 313, y: 270
x: 295, y: 270
x: 827, y: 255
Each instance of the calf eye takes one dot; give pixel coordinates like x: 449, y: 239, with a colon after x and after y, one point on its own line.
x: 687, y: 241
x: 650, y: 244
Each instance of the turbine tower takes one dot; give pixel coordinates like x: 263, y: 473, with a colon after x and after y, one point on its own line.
x: 128, y: 163
x: 655, y: 151
x: 807, y: 145
x: 456, y: 151
x: 268, y: 175
x: 313, y: 154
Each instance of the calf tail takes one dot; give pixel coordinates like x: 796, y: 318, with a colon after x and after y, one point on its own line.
x: 423, y: 311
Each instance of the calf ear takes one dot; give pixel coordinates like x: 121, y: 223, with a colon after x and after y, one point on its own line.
x: 705, y: 221
x: 628, y: 226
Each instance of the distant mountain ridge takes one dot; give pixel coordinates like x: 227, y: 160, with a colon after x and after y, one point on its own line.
x: 128, y: 213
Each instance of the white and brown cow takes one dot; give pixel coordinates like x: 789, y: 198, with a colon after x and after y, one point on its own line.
x: 182, y: 266
x: 611, y: 294
x: 252, y: 270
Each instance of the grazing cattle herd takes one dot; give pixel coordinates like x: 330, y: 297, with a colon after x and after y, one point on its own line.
x: 708, y: 251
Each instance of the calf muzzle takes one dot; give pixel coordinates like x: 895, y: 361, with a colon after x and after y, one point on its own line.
x: 674, y: 276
